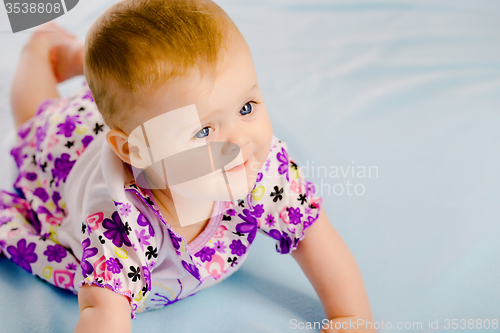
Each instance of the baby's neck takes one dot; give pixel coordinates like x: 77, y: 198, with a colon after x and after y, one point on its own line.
x: 182, y: 211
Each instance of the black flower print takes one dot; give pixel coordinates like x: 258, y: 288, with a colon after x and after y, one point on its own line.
x: 302, y: 198
x: 278, y: 194
x: 128, y: 229
x: 98, y: 127
x: 152, y: 252
x: 135, y: 273
x: 232, y: 261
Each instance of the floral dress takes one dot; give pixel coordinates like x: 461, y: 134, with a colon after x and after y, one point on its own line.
x: 75, y: 221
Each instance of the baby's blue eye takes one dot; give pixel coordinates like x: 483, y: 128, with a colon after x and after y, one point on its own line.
x: 247, y: 108
x: 200, y: 134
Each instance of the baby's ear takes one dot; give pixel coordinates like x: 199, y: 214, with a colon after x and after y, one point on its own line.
x: 127, y: 152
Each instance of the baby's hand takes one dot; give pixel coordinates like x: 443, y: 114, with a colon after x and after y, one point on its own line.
x: 349, y: 325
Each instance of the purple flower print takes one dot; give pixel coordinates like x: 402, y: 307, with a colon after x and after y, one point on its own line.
x: 192, y: 269
x: 71, y: 266
x: 310, y: 188
x: 40, y: 134
x: 35, y: 222
x: 147, y: 280
x: 268, y: 163
x: 125, y: 209
x: 2, y: 244
x: 88, y: 95
x: 62, y: 167
x: 309, y: 222
x: 220, y: 247
x: 249, y: 227
x: 88, y: 252
x: 258, y: 210
x: 231, y: 212
x: 237, y: 247
x: 285, y: 240
x: 23, y: 255
x: 56, y: 197
x: 114, y: 265
x: 143, y: 222
x: 205, y: 254
x: 55, y: 253
x: 68, y: 126
x: 18, y: 155
x: 117, y: 284
x: 5, y: 220
x: 294, y: 215
x: 31, y: 176
x: 270, y: 220
x: 142, y: 238
x: 23, y: 132
x: 175, y: 240
x: 41, y: 193
x: 259, y: 177
x: 86, y: 140
x: 283, y: 158
x: 116, y: 230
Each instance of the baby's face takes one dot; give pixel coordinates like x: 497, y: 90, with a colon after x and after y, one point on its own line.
x: 191, y: 111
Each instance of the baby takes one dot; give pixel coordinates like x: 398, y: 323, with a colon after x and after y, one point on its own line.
x: 150, y: 182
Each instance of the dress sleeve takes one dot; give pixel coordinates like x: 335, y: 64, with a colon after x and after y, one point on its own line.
x: 290, y: 203
x: 119, y: 249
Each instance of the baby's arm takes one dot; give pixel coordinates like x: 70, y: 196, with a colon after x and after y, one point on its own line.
x: 102, y: 310
x: 334, y: 274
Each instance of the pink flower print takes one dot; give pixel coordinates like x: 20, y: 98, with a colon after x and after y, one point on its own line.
x: 270, y: 220
x: 117, y: 284
x: 125, y: 209
x: 142, y: 238
x: 220, y: 247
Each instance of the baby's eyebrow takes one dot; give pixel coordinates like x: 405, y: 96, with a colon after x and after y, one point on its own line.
x: 204, y: 119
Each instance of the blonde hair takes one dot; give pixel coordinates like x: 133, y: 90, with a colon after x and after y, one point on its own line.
x: 136, y: 46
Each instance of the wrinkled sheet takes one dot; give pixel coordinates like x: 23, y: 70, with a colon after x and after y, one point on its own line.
x: 409, y: 92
